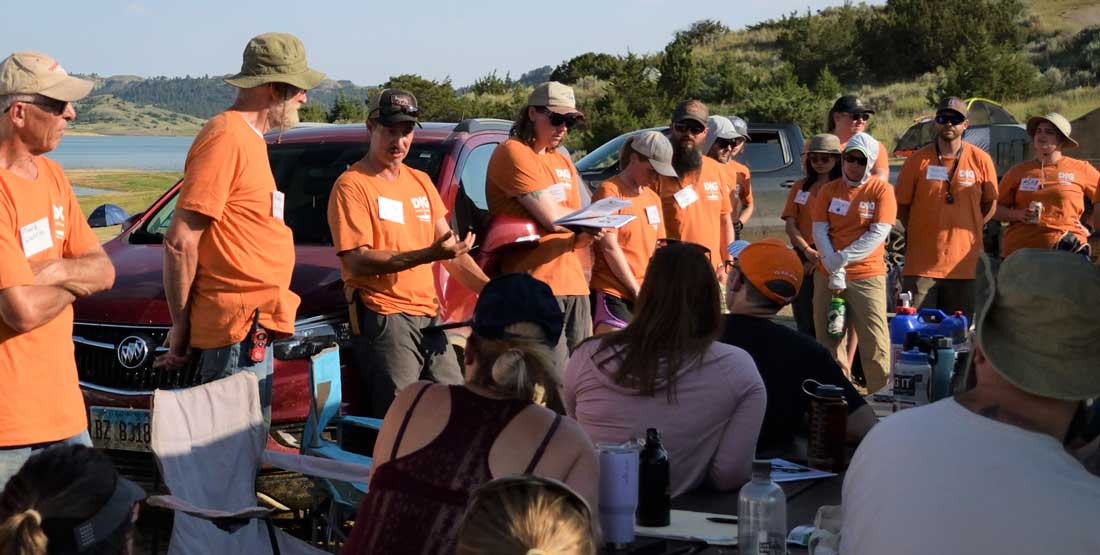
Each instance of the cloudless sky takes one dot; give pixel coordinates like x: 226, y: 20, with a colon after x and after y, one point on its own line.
x: 365, y: 41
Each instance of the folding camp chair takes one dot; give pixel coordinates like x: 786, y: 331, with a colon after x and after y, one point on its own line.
x: 338, y: 499
x: 209, y: 442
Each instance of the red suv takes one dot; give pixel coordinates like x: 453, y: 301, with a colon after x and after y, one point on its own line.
x: 118, y: 332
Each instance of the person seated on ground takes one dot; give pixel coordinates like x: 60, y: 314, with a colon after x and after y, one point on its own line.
x: 988, y: 471
x: 68, y: 499
x: 526, y: 514
x: 666, y: 370
x: 439, y: 442
x: 766, y: 276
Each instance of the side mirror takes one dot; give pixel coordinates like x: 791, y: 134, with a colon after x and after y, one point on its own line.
x: 107, y: 215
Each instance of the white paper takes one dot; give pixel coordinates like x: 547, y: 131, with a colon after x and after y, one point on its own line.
x: 391, y: 210
x: 686, y: 197
x: 614, y: 221
x: 1030, y: 184
x: 802, y: 197
x: 278, y: 203
x: 936, y: 173
x: 787, y: 471
x: 600, y: 208
x: 653, y: 215
x: 693, y: 526
x: 36, y: 237
x: 557, y: 192
x: 839, y: 206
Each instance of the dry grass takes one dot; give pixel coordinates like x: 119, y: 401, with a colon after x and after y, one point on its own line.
x: 1065, y: 15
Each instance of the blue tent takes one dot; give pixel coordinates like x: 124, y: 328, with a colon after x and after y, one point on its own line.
x: 106, y: 215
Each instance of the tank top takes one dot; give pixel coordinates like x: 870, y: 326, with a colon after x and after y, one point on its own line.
x: 416, y: 502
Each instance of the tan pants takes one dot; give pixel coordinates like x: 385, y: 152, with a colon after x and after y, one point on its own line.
x: 866, y: 315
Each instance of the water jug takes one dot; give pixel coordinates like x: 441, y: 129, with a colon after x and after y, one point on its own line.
x: 911, y: 378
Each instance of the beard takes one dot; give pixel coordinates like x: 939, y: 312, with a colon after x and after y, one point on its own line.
x: 282, y: 116
x: 686, y: 158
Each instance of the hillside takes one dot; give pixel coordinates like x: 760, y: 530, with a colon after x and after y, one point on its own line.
x: 108, y: 115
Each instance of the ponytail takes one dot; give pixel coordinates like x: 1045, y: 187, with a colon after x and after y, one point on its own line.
x: 516, y: 365
x: 22, y: 534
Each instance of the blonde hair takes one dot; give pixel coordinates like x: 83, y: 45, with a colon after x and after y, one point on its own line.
x: 22, y: 534
x: 526, y: 515
x: 514, y: 365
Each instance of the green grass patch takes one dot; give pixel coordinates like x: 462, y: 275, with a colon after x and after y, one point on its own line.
x: 131, y: 190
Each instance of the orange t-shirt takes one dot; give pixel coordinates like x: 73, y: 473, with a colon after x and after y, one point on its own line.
x: 882, y: 163
x: 693, y: 206
x: 400, y: 215
x: 637, y: 239
x: 246, y: 254
x: 800, y: 207
x: 39, y: 220
x: 850, y: 211
x: 740, y: 185
x: 1061, y: 188
x: 514, y: 170
x: 944, y: 240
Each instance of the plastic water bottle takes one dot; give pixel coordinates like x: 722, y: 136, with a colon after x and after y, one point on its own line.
x: 943, y: 366
x: 911, y: 380
x: 838, y: 310
x: 762, y: 514
x: 654, y: 484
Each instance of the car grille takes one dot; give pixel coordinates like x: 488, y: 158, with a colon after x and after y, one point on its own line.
x: 100, y: 359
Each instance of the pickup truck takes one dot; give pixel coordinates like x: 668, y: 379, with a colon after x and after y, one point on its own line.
x: 773, y: 154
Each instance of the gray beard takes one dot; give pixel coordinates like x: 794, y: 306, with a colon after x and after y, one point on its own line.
x: 686, y: 159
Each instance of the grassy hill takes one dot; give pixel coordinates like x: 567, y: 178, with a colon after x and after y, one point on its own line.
x: 108, y: 115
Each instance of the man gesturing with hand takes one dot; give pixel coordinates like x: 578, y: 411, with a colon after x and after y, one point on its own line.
x: 388, y: 225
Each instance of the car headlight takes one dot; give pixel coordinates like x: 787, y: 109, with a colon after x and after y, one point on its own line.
x: 312, y: 335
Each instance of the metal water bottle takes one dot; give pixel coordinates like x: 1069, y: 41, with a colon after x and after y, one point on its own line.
x: 828, y: 428
x: 654, y: 483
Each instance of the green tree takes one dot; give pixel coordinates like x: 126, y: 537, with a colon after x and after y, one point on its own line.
x: 829, y: 39
x: 589, y: 64
x: 492, y: 84
x: 437, y: 101
x: 990, y: 71
x: 347, y: 110
x: 313, y: 112
x: 703, y: 32
x: 680, y: 78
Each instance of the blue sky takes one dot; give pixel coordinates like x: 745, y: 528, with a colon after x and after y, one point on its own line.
x: 348, y: 40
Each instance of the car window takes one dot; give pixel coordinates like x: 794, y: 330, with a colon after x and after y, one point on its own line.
x: 473, y: 174
x: 607, y: 155
x: 305, y: 173
x: 764, y: 152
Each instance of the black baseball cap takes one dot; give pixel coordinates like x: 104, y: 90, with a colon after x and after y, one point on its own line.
x: 514, y: 298
x: 393, y: 106
x: 851, y: 104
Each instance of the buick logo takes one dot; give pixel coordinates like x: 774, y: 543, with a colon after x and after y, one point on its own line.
x: 132, y: 352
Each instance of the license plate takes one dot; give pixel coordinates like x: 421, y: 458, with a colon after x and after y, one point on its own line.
x: 122, y: 429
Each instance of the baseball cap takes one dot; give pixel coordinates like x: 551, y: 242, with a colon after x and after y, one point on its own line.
x: 110, y: 516
x: 718, y: 127
x: 740, y: 126
x: 691, y: 109
x: 393, y: 106
x: 766, y: 262
x: 1059, y: 122
x: 34, y: 73
x: 1038, y: 325
x: 514, y: 298
x: 657, y: 149
x: 851, y: 104
x: 952, y: 103
x: 556, y: 97
x: 275, y: 58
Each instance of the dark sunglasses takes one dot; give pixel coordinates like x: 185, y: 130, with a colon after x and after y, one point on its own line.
x: 558, y: 120
x: 729, y: 143
x: 860, y: 116
x: 49, y: 105
x: 857, y: 160
x: 684, y: 127
x: 820, y: 158
x: 953, y: 119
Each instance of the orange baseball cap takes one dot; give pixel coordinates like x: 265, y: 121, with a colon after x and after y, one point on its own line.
x: 765, y: 262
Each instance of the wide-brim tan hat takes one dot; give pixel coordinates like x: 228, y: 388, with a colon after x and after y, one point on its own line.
x: 556, y: 97
x: 1059, y: 122
x: 1038, y: 325
x: 34, y: 73
x: 824, y: 143
x: 275, y: 58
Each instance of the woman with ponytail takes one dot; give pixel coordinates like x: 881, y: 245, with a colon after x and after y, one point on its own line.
x: 438, y: 443
x: 68, y: 500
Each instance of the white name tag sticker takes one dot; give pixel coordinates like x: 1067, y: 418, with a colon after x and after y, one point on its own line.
x: 936, y: 173
x: 36, y: 237
x: 1029, y: 184
x: 839, y: 207
x: 557, y: 192
x: 802, y: 197
x: 391, y: 210
x: 652, y: 215
x: 278, y: 203
x: 686, y: 197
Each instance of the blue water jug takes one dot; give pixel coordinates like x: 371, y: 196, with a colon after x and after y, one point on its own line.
x: 904, y: 322
x: 933, y: 321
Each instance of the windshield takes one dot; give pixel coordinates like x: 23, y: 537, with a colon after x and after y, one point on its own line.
x: 305, y: 173
x: 607, y: 155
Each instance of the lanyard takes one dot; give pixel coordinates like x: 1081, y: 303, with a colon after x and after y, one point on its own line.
x: 954, y: 168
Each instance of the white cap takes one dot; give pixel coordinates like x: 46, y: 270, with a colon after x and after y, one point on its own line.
x: 718, y: 127
x: 657, y: 149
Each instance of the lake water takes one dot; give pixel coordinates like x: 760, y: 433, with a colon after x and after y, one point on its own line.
x: 122, y: 152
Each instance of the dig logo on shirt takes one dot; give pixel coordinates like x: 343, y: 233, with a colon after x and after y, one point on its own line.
x: 711, y: 189
x: 866, y: 210
x: 1065, y: 177
x: 423, y: 208
x: 565, y: 176
x: 967, y: 177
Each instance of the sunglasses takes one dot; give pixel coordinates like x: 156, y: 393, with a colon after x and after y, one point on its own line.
x: 860, y: 116
x: 558, y: 120
x: 953, y: 119
x: 821, y: 158
x: 685, y: 127
x: 48, y: 105
x: 729, y: 143
x: 857, y: 160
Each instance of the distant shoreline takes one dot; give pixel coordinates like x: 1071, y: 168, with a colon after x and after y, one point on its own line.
x: 131, y: 133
